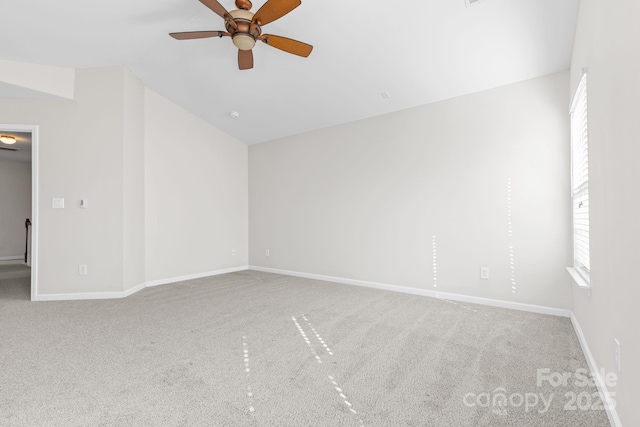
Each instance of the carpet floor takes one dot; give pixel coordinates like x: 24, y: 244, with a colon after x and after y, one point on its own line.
x: 259, y: 349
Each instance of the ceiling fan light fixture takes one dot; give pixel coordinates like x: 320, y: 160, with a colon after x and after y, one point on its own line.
x: 6, y: 139
x: 244, y: 41
x: 244, y: 27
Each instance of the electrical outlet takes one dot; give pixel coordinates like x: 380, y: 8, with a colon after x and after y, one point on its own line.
x: 617, y: 354
x: 484, y: 273
x: 233, y: 252
x: 82, y: 270
x: 266, y: 253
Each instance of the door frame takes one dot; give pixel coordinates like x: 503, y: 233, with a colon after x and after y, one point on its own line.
x: 35, y: 223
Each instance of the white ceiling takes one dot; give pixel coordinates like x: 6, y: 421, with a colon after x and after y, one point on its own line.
x: 419, y: 51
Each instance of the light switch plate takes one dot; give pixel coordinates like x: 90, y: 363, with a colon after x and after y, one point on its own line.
x: 58, y: 203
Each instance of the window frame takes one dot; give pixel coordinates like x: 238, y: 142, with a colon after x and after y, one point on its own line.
x: 580, y: 185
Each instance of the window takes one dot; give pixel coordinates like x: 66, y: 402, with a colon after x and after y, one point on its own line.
x: 580, y: 180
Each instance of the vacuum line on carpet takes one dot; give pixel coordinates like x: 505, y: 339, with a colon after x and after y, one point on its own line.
x: 465, y: 307
x: 343, y: 396
x: 326, y: 347
x: 247, y: 369
x: 306, y: 339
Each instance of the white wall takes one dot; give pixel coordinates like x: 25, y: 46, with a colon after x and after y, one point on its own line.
x: 363, y: 200
x: 196, y: 194
x: 134, y: 272
x: 43, y: 79
x: 607, y: 43
x: 167, y: 192
x: 15, y: 206
x: 80, y: 153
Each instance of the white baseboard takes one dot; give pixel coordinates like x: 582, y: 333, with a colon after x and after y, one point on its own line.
x: 423, y: 292
x: 78, y: 296
x: 394, y: 288
x: 131, y: 291
x: 12, y: 258
x: 607, y: 400
x: 196, y: 276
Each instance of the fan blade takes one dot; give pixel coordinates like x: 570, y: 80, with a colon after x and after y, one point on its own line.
x: 274, y: 9
x: 216, y: 7
x: 245, y: 59
x: 188, y: 35
x: 288, y: 45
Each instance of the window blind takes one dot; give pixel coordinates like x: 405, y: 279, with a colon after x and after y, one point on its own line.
x: 580, y: 178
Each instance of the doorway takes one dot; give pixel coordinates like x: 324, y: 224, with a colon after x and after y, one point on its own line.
x: 17, y: 149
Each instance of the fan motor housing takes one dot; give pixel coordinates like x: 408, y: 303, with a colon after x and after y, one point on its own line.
x: 244, y: 4
x: 244, y: 36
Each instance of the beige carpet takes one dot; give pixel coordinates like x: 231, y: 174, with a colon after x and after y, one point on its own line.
x: 257, y: 349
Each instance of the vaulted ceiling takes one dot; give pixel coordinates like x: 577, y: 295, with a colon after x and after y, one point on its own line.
x: 415, y: 52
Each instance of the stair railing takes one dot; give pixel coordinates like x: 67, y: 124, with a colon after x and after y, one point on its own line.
x: 27, y: 224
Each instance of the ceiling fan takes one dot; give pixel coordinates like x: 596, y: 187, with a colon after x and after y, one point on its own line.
x: 245, y: 28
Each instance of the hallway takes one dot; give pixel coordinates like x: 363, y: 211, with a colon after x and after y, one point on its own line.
x: 15, y: 282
